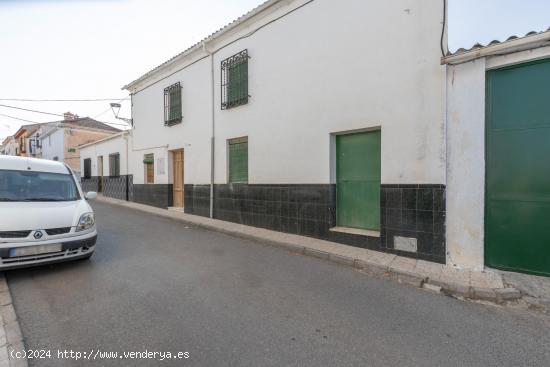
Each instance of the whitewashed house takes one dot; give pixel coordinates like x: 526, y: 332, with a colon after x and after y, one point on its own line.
x: 319, y: 118
x: 498, y: 149
x: 104, y: 165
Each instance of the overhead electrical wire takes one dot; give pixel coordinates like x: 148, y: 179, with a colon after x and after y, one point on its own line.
x: 56, y: 114
x: 20, y: 119
x: 62, y: 100
x: 29, y: 110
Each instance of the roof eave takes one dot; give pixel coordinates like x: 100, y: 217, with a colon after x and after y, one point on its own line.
x: 199, y: 45
x: 514, y: 45
x: 110, y: 137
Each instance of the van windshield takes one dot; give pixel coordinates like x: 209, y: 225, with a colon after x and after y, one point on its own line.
x: 37, y: 186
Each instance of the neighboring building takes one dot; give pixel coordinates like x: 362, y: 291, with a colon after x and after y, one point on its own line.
x: 104, y: 166
x: 498, y: 149
x: 60, y: 142
x: 282, y: 122
x: 26, y: 146
x: 10, y: 146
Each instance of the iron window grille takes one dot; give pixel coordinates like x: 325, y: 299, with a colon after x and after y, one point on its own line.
x: 172, y: 105
x: 234, y: 80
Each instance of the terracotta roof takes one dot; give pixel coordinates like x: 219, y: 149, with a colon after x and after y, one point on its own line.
x: 30, y: 128
x: 213, y: 35
x: 89, y: 123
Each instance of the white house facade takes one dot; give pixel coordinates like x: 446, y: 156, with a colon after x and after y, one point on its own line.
x: 104, y: 166
x: 318, y: 118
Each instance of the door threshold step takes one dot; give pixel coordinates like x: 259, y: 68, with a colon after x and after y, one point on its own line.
x: 172, y: 208
x: 356, y: 231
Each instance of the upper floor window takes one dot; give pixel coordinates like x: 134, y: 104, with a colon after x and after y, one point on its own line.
x: 172, y: 105
x: 234, y: 81
x: 114, y: 165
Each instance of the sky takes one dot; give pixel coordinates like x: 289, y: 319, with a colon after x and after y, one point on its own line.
x: 89, y: 49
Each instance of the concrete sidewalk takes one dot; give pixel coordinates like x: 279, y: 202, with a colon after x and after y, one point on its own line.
x: 487, y: 285
x: 11, y: 340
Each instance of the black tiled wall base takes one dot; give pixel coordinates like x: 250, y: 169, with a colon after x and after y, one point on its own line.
x: 89, y: 184
x: 115, y: 187
x: 197, y: 199
x: 414, y: 211
x: 158, y: 195
x: 308, y: 210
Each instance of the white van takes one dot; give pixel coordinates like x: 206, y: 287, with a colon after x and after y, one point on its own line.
x: 44, y: 216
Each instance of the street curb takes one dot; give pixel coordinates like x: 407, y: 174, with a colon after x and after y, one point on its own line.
x: 11, y: 338
x: 407, y: 277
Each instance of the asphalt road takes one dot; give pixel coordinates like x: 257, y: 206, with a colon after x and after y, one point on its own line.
x: 158, y: 285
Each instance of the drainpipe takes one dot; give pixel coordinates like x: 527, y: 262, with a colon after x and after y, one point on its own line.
x: 212, y: 137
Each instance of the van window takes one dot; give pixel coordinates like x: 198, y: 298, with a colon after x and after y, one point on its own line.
x: 37, y: 186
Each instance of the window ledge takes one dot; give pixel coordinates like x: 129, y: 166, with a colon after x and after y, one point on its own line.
x: 356, y: 231
x: 173, y: 122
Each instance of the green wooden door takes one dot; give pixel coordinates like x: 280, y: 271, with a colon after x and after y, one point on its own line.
x: 358, y: 180
x: 517, y: 211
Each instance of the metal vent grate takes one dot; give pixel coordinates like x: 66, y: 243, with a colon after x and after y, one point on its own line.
x: 57, y: 231
x: 14, y: 234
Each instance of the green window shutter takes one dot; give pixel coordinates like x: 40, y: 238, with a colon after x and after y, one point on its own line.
x: 172, y: 104
x: 234, y: 80
x: 175, y: 104
x: 238, y: 162
x: 237, y: 89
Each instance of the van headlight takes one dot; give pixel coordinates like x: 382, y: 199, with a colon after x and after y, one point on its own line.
x: 85, y: 222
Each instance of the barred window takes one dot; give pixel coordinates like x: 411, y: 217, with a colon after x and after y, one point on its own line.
x: 172, y: 105
x: 234, y: 80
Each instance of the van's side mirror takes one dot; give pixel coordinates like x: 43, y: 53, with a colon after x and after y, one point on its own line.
x: 91, y: 195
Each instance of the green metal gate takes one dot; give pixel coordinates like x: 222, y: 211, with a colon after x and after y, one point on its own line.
x: 517, y: 210
x: 358, y: 180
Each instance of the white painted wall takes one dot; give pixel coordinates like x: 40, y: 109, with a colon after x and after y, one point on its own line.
x: 466, y: 155
x: 308, y: 80
x: 466, y: 164
x: 104, y: 148
x: 329, y: 67
x: 193, y: 134
x: 137, y: 168
x: 53, y: 145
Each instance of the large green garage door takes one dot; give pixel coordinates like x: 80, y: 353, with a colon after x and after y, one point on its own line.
x: 517, y: 223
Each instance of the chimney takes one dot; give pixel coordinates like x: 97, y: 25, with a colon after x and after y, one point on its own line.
x: 68, y: 116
